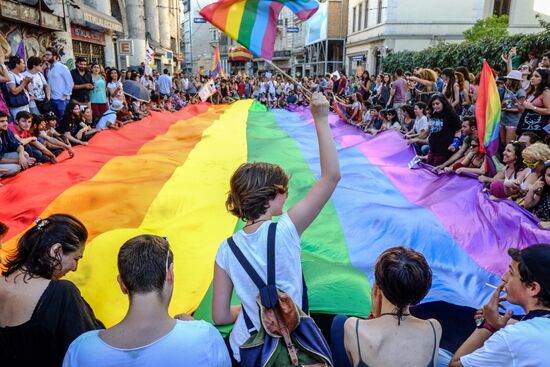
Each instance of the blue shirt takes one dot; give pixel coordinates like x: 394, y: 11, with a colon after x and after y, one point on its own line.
x: 8, y: 143
x: 60, y: 81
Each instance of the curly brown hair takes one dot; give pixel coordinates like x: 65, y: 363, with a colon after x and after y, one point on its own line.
x: 252, y: 186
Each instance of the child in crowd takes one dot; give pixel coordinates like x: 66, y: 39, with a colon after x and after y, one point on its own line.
x: 109, y: 120
x: 258, y: 192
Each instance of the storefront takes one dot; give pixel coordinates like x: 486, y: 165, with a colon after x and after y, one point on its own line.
x: 89, y: 44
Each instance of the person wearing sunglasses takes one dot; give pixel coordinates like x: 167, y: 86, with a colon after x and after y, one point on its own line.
x: 147, y: 335
x: 473, y: 162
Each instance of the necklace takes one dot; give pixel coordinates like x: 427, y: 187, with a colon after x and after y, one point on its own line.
x: 254, y: 222
x: 393, y: 314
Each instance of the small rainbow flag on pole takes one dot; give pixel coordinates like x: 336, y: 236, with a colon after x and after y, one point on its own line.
x: 253, y: 23
x: 217, y: 68
x: 488, y: 108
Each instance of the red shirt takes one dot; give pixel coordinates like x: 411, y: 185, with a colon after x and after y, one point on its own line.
x: 15, y: 131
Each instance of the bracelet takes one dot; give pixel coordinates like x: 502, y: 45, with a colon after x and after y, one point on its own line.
x: 488, y: 326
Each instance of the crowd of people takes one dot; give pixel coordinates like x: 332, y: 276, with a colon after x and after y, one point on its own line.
x: 45, y: 321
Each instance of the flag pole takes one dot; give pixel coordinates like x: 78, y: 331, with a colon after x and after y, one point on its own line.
x: 288, y: 76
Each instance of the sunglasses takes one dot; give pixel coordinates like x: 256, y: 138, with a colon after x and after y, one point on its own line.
x: 531, y: 165
x: 474, y: 145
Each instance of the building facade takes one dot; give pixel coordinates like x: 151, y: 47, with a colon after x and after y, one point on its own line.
x: 93, y: 29
x: 199, y: 38
x: 379, y: 26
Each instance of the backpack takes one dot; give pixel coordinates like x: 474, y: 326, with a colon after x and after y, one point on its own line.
x: 287, y: 335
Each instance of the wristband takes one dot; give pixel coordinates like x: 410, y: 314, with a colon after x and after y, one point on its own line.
x: 456, y: 142
x: 488, y: 326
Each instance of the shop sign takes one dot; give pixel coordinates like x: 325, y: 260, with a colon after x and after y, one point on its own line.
x: 87, y: 35
x: 125, y: 47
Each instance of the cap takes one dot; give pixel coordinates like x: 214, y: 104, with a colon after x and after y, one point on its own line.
x: 514, y: 75
x: 116, y: 105
x: 537, y: 259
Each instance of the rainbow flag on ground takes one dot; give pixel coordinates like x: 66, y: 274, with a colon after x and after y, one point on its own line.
x: 169, y: 175
x: 253, y: 23
x: 488, y: 109
x: 217, y: 68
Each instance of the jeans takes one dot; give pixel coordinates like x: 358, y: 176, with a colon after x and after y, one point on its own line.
x: 36, y: 154
x: 9, y: 169
x: 58, y: 107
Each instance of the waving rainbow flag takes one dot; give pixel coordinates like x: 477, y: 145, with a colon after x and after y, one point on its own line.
x: 253, y: 23
x: 169, y: 175
x: 217, y: 68
x: 488, y: 109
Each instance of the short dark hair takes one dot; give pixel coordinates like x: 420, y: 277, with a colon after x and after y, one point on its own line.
x: 23, y: 115
x: 81, y: 59
x: 13, y: 61
x: 165, y: 71
x: 422, y: 106
x: 527, y: 277
x: 3, y: 229
x: 33, y: 61
x: 471, y: 119
x: 252, y: 186
x: 33, y: 248
x: 404, y: 276
x: 142, y: 263
x: 546, y: 54
x: 408, y: 109
x: 3, y: 114
x: 53, y: 51
x: 399, y: 72
x: 533, y: 137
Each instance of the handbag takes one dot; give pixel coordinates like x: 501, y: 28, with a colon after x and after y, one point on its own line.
x: 14, y: 100
x: 287, y: 335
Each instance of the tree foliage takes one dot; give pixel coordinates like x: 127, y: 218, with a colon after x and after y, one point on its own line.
x: 468, y: 53
x: 494, y: 27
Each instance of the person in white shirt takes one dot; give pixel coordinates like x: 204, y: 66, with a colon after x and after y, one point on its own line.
x: 165, y: 84
x: 257, y: 193
x: 147, y: 335
x: 501, y: 341
x: 39, y: 90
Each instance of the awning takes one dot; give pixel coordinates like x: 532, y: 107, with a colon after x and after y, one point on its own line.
x: 156, y: 46
x: 87, y: 16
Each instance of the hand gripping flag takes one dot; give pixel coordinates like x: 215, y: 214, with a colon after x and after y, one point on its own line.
x: 253, y: 23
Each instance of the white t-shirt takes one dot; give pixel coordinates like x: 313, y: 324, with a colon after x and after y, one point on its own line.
x: 17, y: 80
x: 108, y: 117
x: 190, y: 343
x: 288, y: 270
x: 36, y: 86
x: 420, y: 124
x: 526, y: 343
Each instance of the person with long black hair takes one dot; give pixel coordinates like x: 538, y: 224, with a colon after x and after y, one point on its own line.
x: 444, y: 130
x: 40, y: 315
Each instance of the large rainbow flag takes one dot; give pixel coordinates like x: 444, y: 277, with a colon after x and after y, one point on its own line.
x: 253, y: 23
x: 169, y: 175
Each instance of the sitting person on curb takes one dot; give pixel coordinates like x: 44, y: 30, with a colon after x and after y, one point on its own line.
x: 69, y: 126
x: 501, y: 341
x: 506, y: 182
x: 52, y: 139
x: 391, y: 336
x: 148, y: 336
x: 473, y: 162
x: 21, y: 129
x: 468, y: 129
x: 109, y: 120
x: 13, y: 157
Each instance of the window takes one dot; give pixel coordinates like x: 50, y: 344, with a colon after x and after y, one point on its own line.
x: 379, y: 16
x: 501, y: 7
x: 366, y: 14
x: 359, y: 18
x: 354, y: 18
